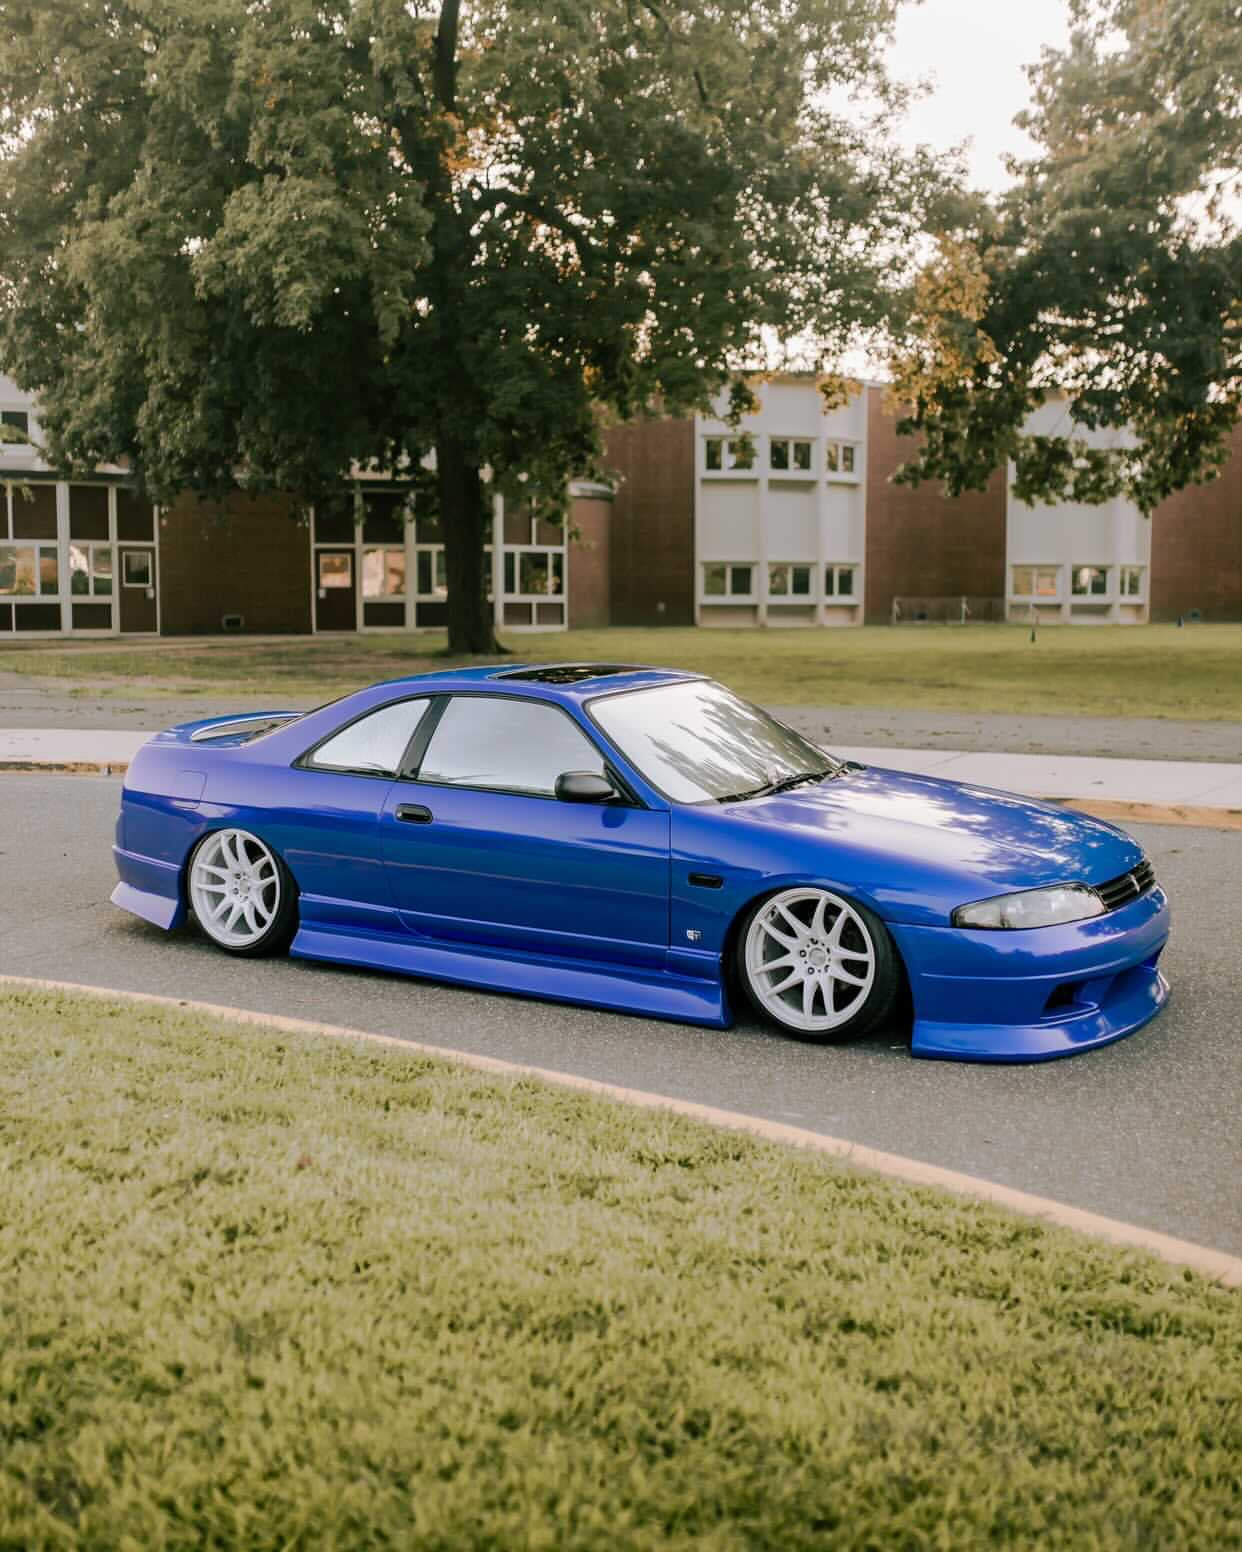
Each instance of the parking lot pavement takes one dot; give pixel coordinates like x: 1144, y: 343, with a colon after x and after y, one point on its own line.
x: 1145, y: 1130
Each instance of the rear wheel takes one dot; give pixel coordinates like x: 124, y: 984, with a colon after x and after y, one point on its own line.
x: 242, y: 893
x: 818, y: 965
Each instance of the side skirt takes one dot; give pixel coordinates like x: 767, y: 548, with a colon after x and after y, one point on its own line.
x: 689, y: 1000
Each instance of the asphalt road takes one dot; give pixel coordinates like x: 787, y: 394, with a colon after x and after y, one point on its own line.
x: 1148, y: 1130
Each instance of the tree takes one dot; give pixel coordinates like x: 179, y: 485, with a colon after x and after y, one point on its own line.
x: 1111, y: 272
x: 268, y: 240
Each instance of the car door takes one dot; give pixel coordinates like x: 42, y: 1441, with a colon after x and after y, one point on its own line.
x: 479, y: 849
x: 327, y: 822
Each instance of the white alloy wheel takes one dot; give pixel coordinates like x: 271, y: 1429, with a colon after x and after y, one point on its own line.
x: 810, y: 960
x: 236, y: 888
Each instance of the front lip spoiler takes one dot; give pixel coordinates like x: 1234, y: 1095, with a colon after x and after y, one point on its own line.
x: 1134, y: 1004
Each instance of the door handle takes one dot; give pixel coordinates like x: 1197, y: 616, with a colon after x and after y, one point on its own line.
x: 414, y: 813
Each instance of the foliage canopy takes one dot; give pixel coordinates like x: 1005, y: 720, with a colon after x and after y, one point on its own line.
x: 1111, y: 272
x: 272, y: 241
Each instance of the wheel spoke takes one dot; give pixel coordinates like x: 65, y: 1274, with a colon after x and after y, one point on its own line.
x: 212, y: 867
x: 791, y: 979
x: 212, y: 889
x: 798, y: 926
x: 843, y: 975
x: 853, y: 953
x: 817, y: 920
x: 809, y: 987
x: 838, y: 927
x: 780, y: 937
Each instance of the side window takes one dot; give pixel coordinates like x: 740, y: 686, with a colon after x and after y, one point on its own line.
x: 514, y: 745
x: 373, y: 744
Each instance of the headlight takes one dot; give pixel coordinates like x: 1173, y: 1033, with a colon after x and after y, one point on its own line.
x: 1032, y: 908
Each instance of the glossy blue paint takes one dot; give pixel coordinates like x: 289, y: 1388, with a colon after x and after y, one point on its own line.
x: 596, y: 904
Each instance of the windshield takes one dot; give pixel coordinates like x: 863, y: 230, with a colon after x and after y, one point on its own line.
x: 698, y: 742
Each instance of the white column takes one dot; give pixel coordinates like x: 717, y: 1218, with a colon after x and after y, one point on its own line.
x: 761, y: 519
x: 62, y: 556
x: 116, y: 562
x: 498, y: 563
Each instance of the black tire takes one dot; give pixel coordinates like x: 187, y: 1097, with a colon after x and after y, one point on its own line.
x: 277, y: 933
x: 874, y: 1006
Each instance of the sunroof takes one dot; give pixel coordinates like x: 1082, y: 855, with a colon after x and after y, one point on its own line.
x: 566, y: 673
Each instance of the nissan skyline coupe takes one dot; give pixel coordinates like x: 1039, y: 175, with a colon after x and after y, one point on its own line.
x: 643, y: 840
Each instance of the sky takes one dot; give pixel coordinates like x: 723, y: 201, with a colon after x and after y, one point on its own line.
x: 974, y: 51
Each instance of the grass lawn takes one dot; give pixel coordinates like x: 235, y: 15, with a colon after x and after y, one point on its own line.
x: 1153, y: 671
x: 263, y: 1292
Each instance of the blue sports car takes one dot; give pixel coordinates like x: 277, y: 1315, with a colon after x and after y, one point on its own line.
x: 644, y: 840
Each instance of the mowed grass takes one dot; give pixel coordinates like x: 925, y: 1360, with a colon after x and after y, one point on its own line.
x: 264, y: 1291
x: 1116, y: 671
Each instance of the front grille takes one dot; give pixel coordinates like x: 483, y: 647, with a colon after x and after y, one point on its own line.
x: 1129, y: 887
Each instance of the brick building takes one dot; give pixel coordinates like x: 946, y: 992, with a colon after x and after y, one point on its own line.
x: 791, y: 519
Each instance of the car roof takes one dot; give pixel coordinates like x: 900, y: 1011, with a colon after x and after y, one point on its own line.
x: 569, y: 681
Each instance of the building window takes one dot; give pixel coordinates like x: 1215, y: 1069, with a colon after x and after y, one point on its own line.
x: 839, y: 581
x: 788, y: 581
x: 789, y: 454
x: 727, y: 581
x: 1089, y: 581
x: 534, y: 574
x: 1036, y: 581
x: 18, y: 421
x: 431, y: 574
x: 90, y: 570
x: 27, y: 570
x: 724, y: 453
x: 383, y: 573
x: 1132, y: 581
x: 136, y: 568
x: 336, y: 569
x: 841, y: 457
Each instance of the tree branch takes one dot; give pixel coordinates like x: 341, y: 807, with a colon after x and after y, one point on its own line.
x: 654, y: 10
x: 445, y: 55
x: 489, y: 199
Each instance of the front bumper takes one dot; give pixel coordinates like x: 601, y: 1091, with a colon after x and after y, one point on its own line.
x: 1032, y: 995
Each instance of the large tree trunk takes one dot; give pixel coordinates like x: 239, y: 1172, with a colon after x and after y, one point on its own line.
x: 465, y: 520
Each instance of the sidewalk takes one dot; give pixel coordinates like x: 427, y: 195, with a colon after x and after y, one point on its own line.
x: 1162, y: 791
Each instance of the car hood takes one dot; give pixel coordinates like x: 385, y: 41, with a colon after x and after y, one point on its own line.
x: 994, y: 838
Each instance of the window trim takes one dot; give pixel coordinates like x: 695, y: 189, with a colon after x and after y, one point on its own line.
x: 809, y: 597
x: 791, y: 471
x: 842, y: 475
x: 382, y: 550
x: 306, y: 760
x: 836, y: 595
x: 128, y: 554
x: 1036, y: 566
x: 750, y: 596
x: 412, y: 768
x: 40, y: 548
x: 1105, y: 571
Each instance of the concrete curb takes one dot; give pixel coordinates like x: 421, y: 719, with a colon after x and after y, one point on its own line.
x: 1200, y: 816
x: 1216, y: 1265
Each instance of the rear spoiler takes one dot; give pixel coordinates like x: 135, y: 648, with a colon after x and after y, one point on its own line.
x: 235, y: 727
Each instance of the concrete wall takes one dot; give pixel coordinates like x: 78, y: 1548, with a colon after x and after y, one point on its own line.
x: 249, y: 557
x: 589, y: 559
x: 651, y: 545
x: 1196, y: 547
x: 920, y: 543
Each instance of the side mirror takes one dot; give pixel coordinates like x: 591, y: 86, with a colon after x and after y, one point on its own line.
x: 584, y: 787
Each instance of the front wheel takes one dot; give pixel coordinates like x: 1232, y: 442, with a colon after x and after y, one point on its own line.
x: 818, y: 965
x: 242, y: 893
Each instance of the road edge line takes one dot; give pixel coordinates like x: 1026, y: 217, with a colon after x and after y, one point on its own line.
x: 1217, y: 1266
